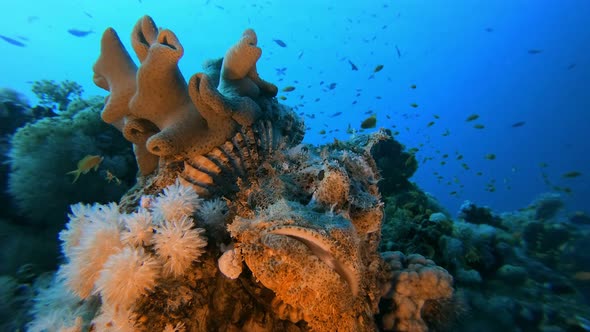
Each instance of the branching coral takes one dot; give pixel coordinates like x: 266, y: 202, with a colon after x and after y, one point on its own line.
x: 56, y: 95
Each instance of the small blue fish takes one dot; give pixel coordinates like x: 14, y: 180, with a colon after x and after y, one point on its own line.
x: 12, y: 41
x: 80, y: 33
x: 335, y: 114
x: 281, y: 71
x: 583, y: 322
x: 280, y: 42
x: 518, y: 124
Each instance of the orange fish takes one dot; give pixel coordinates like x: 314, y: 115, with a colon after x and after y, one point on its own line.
x: 85, y: 165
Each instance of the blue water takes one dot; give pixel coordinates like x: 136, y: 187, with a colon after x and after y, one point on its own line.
x: 465, y: 58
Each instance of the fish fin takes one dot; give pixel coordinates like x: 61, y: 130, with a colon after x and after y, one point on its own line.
x: 76, y: 175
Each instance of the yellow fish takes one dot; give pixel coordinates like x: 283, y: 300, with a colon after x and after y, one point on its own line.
x: 85, y: 165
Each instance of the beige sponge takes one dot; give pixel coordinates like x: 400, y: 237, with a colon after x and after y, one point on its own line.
x: 115, y: 71
x: 162, y: 96
x: 238, y: 71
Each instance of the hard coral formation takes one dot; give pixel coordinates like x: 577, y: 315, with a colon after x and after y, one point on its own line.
x: 479, y: 215
x: 396, y: 165
x: 292, y: 231
x: 547, y: 206
x: 416, y: 281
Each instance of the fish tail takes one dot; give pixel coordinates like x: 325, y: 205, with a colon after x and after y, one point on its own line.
x: 76, y: 175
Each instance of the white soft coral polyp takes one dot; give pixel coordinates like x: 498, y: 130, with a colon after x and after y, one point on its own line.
x: 126, y: 276
x: 178, y: 244
x: 175, y: 202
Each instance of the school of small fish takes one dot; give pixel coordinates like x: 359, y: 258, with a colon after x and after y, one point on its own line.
x: 293, y: 94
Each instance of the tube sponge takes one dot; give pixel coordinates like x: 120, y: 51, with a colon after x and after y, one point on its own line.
x: 162, y: 97
x: 238, y: 71
x: 115, y: 71
x: 240, y: 58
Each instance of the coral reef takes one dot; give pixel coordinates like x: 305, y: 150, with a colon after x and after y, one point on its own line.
x: 417, y: 283
x: 547, y: 206
x: 15, y: 112
x: 409, y: 225
x: 54, y: 145
x: 233, y: 224
x: 37, y: 189
x: 526, y: 275
x: 130, y: 253
x: 398, y: 165
x: 474, y: 214
x: 57, y: 96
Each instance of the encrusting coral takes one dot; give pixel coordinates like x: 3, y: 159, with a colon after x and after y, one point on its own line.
x: 236, y: 226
